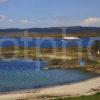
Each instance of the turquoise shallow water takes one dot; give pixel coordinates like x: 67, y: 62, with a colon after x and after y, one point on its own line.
x: 24, y: 75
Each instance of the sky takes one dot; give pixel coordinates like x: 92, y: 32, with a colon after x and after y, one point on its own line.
x: 49, y: 13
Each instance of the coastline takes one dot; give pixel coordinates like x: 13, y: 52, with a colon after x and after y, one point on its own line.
x: 87, y: 87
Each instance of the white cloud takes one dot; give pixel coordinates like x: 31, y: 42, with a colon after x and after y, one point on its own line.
x: 26, y: 21
x: 91, y: 21
x: 3, y: 1
x: 4, y: 18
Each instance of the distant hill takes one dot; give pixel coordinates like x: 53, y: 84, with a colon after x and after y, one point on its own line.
x: 74, y: 29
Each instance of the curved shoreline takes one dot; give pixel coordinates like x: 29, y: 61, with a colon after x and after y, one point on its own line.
x: 77, y: 89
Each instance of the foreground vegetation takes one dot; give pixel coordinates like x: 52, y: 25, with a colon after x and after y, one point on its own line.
x: 94, y: 97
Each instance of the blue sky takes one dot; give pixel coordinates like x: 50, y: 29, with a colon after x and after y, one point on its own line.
x: 49, y: 13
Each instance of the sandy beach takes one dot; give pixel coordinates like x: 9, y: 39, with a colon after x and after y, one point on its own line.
x: 77, y: 89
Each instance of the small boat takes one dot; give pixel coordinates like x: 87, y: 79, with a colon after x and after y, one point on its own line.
x: 45, y: 68
x: 70, y: 38
x: 98, y: 52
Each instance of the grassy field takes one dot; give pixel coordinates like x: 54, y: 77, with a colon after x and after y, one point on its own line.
x: 94, y: 97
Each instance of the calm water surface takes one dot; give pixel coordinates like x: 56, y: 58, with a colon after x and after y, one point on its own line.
x: 24, y: 75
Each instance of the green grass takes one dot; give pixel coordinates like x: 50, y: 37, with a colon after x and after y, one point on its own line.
x: 94, y: 97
